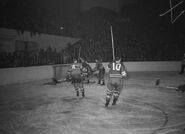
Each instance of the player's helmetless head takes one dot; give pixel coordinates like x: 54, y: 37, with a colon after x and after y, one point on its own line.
x: 98, y: 58
x: 118, y: 59
x: 75, y: 61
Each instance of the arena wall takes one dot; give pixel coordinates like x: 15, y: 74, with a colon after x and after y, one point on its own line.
x: 25, y: 74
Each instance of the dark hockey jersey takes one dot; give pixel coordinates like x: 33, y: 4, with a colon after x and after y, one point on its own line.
x: 98, y: 66
x: 117, y: 70
x: 75, y: 69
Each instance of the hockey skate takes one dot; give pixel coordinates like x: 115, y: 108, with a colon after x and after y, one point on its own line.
x: 103, y: 83
x: 77, y: 93
x: 98, y: 82
x: 83, y: 94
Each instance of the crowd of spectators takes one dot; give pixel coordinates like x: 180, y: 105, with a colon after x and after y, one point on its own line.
x: 33, y: 58
x: 132, y: 42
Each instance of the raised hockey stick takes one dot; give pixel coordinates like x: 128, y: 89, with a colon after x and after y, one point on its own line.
x: 112, y: 39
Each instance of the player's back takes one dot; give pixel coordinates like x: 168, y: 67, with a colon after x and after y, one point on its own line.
x: 86, y: 67
x: 75, y: 69
x: 116, y: 70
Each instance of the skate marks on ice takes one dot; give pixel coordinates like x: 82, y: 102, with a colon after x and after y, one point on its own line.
x: 36, y: 115
x: 70, y: 115
x: 40, y: 114
x: 165, y: 122
x: 170, y: 105
x: 73, y: 115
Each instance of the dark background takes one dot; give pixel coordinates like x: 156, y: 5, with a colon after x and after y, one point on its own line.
x: 140, y: 34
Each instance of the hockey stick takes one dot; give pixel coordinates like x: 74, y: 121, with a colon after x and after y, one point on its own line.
x: 180, y: 88
x: 171, y: 87
x: 55, y: 81
x: 112, y: 39
x: 58, y: 81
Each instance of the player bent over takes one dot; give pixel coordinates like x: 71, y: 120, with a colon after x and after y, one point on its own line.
x: 76, y: 77
x: 115, y: 80
x: 86, y: 70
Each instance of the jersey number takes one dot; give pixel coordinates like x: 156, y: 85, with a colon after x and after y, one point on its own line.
x: 116, y: 67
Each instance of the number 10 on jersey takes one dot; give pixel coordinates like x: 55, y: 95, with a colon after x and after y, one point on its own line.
x: 116, y: 66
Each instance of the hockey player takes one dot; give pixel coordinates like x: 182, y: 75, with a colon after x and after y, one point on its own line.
x: 115, y: 80
x: 101, y: 71
x: 86, y: 70
x: 76, y: 74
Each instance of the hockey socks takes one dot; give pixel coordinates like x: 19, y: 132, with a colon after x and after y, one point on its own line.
x: 83, y: 92
x: 107, y: 100
x: 114, y: 101
x: 77, y: 92
x: 116, y: 96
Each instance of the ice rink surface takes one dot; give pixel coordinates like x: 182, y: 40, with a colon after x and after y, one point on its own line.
x: 143, y: 108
